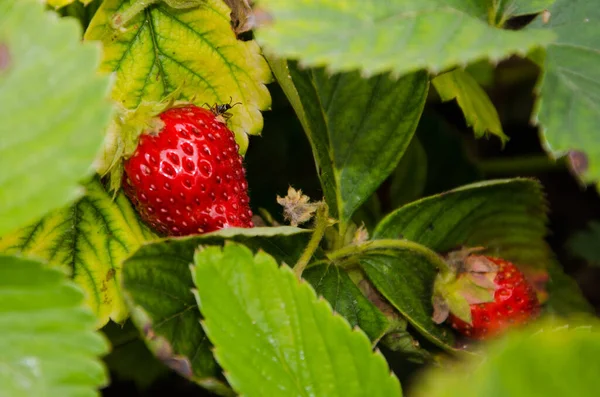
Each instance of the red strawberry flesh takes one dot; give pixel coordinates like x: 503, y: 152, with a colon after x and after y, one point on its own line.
x: 189, y: 178
x: 515, y: 302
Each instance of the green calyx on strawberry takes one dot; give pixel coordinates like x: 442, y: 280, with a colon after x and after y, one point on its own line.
x: 482, y: 296
x: 180, y: 167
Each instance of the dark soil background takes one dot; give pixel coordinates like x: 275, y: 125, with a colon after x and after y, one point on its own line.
x: 282, y: 157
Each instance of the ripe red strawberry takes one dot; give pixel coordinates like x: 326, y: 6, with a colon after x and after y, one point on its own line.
x: 482, y: 296
x: 515, y: 302
x: 189, y: 178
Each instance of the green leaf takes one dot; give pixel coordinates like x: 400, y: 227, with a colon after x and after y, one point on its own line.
x: 334, y: 284
x: 479, y: 111
x: 508, y: 217
x: 409, y: 179
x: 369, y: 214
x: 585, y: 244
x: 130, y: 359
x: 54, y: 107
x: 448, y: 161
x: 158, y: 285
x: 483, y: 72
x: 48, y: 345
x: 89, y: 240
x: 564, y: 295
x: 83, y: 12
x: 556, y: 361
x: 62, y: 3
x: 400, y: 341
x: 194, y: 50
x: 379, y: 35
x: 358, y: 128
x: 406, y: 281
x: 274, y: 337
x: 514, y: 8
x: 569, y: 88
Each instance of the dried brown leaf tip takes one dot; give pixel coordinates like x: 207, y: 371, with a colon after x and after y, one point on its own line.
x: 242, y: 18
x: 297, y: 208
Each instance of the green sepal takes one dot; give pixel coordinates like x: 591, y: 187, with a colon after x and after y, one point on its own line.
x: 123, y: 135
x: 471, y: 283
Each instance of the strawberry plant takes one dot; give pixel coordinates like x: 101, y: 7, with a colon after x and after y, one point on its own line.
x: 299, y: 198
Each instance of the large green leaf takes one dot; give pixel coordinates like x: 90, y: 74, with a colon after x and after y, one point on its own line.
x: 569, y: 88
x: 448, y: 160
x: 506, y: 216
x: 129, y: 358
x: 405, y: 279
x: 54, y: 110
x: 158, y: 283
x: 89, y: 240
x: 564, y: 295
x: 410, y: 176
x: 479, y: 111
x: 48, y: 345
x: 513, y: 8
x: 274, y: 337
x: 381, y: 35
x: 358, y: 128
x: 194, y: 50
x: 334, y: 284
x: 556, y: 361
x: 586, y: 244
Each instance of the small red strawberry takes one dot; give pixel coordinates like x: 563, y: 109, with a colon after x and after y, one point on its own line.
x: 484, y: 297
x: 189, y: 177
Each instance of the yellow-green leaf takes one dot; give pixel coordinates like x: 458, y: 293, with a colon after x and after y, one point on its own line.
x: 62, y: 3
x: 89, y: 240
x: 164, y: 49
x: 479, y: 111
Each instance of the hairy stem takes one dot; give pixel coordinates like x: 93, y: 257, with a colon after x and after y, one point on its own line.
x: 392, y: 245
x: 321, y: 222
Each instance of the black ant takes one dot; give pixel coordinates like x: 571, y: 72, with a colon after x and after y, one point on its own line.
x: 223, y: 109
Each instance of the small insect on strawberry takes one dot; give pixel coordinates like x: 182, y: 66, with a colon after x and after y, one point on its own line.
x: 189, y: 178
x: 222, y: 110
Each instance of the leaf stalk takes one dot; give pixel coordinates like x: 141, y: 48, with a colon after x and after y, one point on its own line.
x: 393, y: 245
x: 321, y: 223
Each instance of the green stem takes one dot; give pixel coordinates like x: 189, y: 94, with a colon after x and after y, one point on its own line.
x: 321, y: 223
x: 122, y: 18
x: 391, y: 245
x: 521, y: 165
x: 341, y: 235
